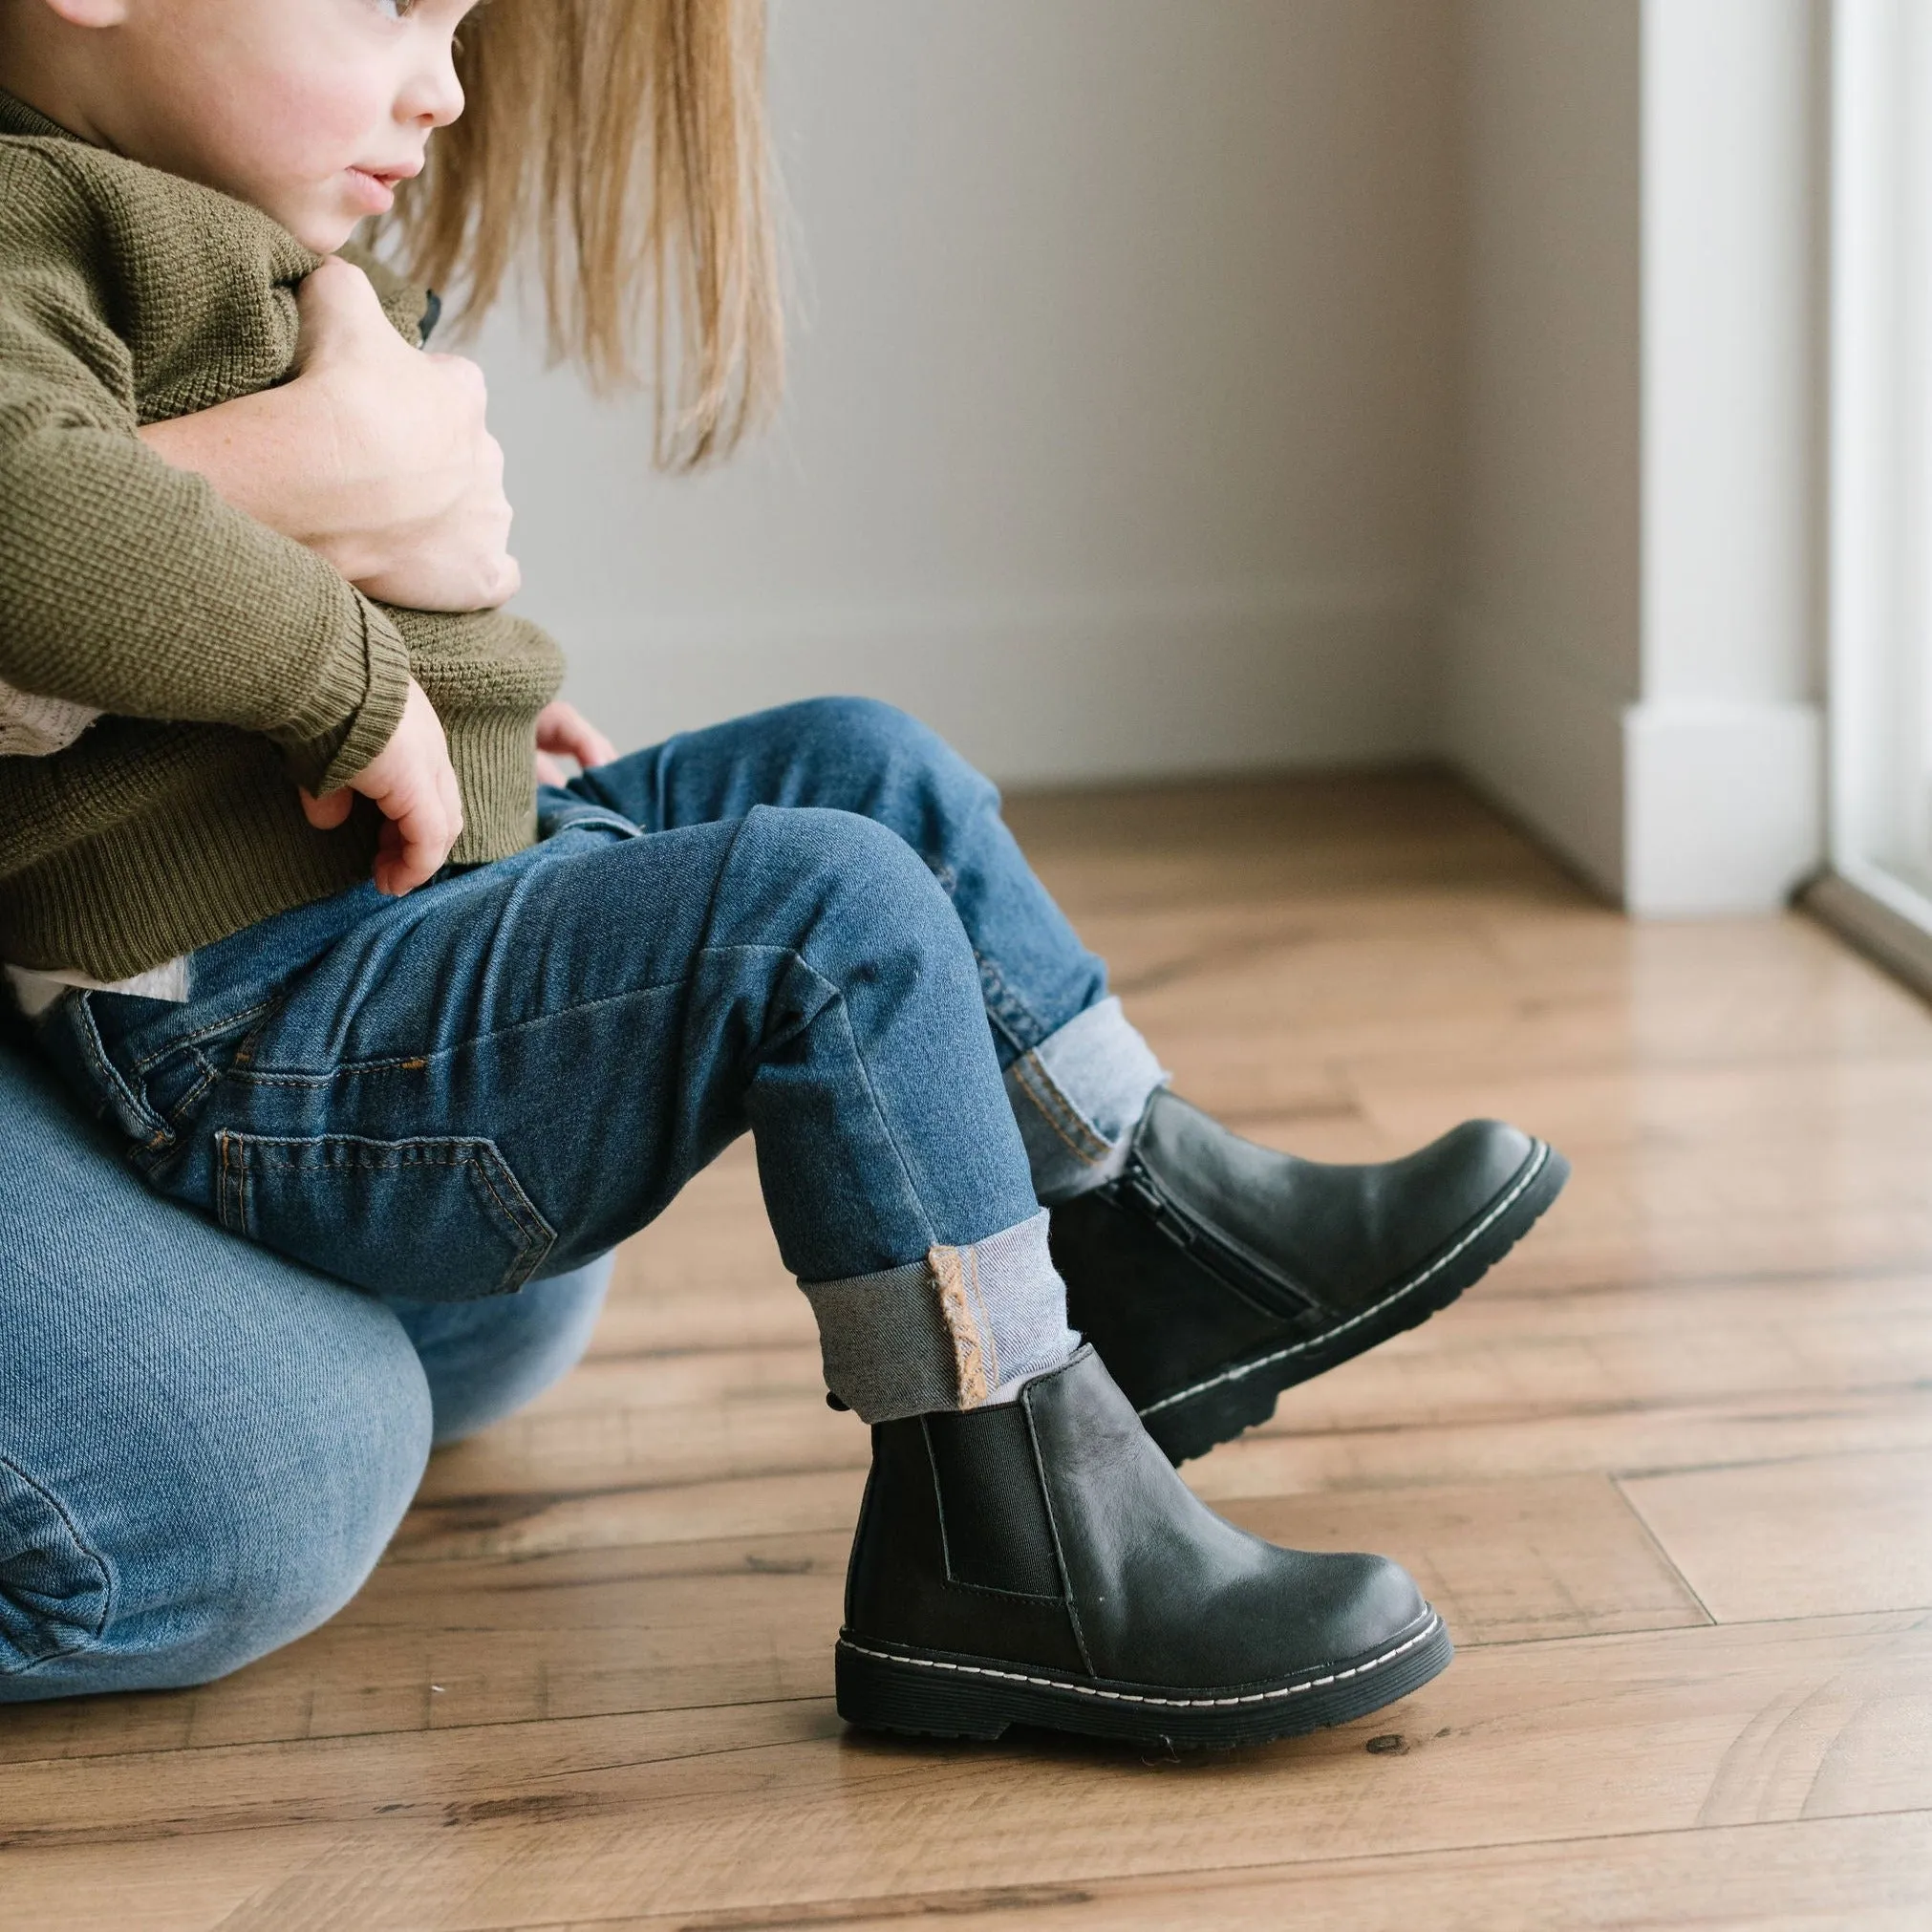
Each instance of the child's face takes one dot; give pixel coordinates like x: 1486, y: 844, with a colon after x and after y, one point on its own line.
x: 310, y: 109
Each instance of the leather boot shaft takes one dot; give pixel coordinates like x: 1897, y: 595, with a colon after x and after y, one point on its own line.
x: 1051, y: 1531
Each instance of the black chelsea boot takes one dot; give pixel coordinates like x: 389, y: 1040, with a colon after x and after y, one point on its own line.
x: 1041, y: 1562
x: 1212, y: 1274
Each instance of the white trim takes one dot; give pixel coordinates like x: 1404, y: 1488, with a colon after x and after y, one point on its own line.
x: 1721, y: 805
x: 1884, y: 919
x: 1683, y: 810
x: 1527, y: 726
x: 1877, y: 492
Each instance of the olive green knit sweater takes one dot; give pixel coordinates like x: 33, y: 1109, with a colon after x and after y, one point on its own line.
x: 232, y: 663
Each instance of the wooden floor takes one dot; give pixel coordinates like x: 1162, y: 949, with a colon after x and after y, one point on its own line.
x: 1667, y: 1473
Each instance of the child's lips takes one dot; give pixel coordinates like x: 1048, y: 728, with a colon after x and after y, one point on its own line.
x: 375, y: 188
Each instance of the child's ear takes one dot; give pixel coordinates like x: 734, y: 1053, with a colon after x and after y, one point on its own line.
x: 89, y: 13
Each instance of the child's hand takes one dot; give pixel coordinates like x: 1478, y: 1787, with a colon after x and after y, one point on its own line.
x: 563, y: 730
x: 413, y: 787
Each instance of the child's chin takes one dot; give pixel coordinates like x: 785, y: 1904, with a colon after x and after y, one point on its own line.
x: 321, y: 230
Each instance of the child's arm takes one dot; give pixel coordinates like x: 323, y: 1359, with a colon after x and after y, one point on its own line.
x: 130, y: 587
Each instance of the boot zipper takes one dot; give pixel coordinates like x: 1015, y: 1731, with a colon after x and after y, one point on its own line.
x: 1234, y: 1265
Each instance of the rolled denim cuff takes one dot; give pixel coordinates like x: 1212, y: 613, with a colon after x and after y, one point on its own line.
x: 953, y: 1330
x: 1078, y: 1097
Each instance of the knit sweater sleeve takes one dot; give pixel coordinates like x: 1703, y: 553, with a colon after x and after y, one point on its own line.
x: 126, y: 584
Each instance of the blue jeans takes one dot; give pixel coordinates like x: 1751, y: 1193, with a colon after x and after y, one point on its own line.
x: 203, y: 1448
x: 811, y: 923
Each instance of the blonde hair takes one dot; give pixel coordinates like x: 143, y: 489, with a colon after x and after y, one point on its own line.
x: 627, y: 138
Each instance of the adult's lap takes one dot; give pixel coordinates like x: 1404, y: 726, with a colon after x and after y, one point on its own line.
x: 203, y: 1448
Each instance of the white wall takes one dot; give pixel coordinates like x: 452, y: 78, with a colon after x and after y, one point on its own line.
x: 1631, y: 645
x: 1543, y: 638
x: 1259, y: 385
x: 1724, y: 793
x: 1120, y: 436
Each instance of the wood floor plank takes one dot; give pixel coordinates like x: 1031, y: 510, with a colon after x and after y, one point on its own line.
x: 648, y: 1448
x: 1285, y: 1458
x: 607, y: 1514
x: 1503, y: 1562
x: 179, y: 1885
x: 589, y: 1685
x: 1822, y: 1876
x: 670, y: 1626
x: 608, y: 1631
x: 1633, y: 1437
x: 1812, y: 1536
x: 514, y: 1825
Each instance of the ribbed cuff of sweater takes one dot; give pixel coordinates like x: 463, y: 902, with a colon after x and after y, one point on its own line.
x: 323, y: 760
x: 494, y: 754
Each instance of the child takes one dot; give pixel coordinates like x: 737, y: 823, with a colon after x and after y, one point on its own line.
x: 507, y: 1051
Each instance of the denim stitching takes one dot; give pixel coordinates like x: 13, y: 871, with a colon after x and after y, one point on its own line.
x: 837, y: 1003
x: 176, y: 1041
x: 223, y: 1142
x: 1005, y: 1008
x: 110, y: 1580
x: 537, y: 1244
x: 96, y: 1049
x: 402, y: 1063
x: 409, y: 1063
x: 836, y: 1000
x: 531, y: 1233
x: 178, y: 1113
x: 1050, y: 1097
x: 1031, y: 1070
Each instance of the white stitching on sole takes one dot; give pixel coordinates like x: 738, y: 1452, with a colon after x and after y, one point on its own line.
x: 1537, y: 1163
x: 1427, y: 1631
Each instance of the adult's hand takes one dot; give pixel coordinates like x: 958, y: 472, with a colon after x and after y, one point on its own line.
x: 375, y: 456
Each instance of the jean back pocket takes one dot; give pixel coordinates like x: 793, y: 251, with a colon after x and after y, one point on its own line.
x: 433, y: 1220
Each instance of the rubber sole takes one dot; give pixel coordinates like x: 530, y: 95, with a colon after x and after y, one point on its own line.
x: 1192, y: 1420
x: 937, y: 1694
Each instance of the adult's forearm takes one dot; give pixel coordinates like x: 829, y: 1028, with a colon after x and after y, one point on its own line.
x: 376, y: 457
x: 267, y: 456
x: 129, y: 587
x: 411, y: 513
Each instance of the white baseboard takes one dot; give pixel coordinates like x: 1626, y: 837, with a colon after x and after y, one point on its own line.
x: 1724, y: 805
x: 1674, y: 809
x: 1883, y: 917
x: 1527, y: 728
x: 1081, y: 690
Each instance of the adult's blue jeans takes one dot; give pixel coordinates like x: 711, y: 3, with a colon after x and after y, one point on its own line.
x: 203, y: 1448
x: 810, y: 923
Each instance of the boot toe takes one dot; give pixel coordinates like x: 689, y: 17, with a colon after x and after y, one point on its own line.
x: 1381, y: 1604
x: 1425, y: 1197
x: 1335, y: 1607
